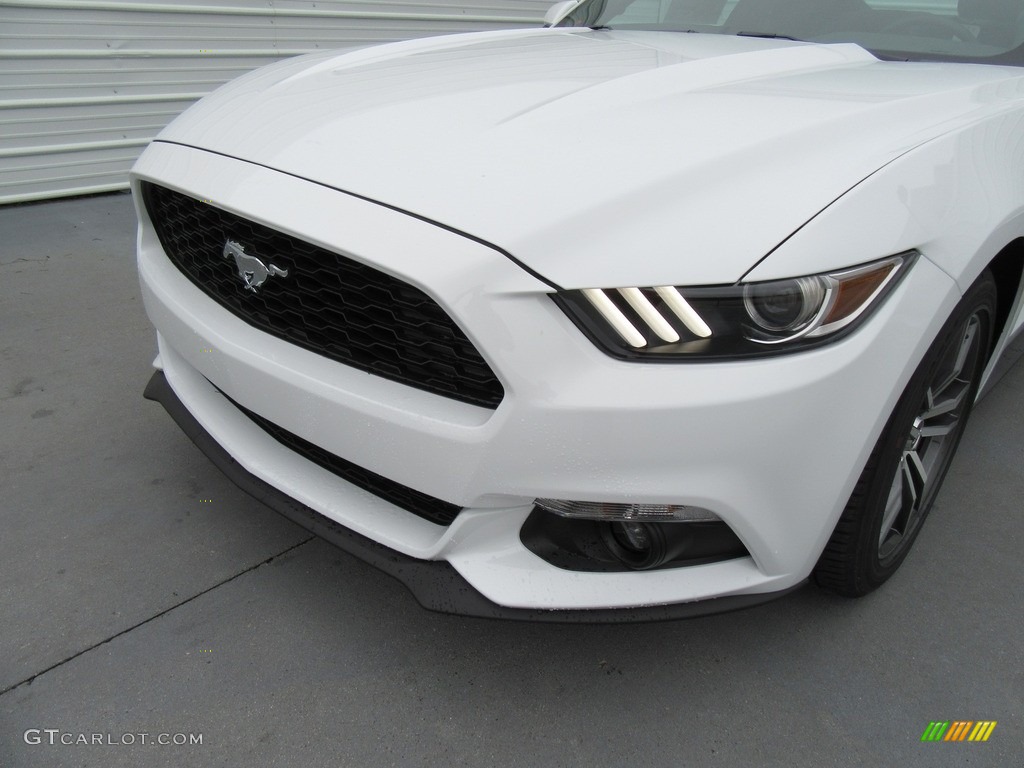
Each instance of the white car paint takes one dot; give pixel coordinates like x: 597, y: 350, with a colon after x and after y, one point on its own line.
x: 595, y: 159
x: 606, y: 119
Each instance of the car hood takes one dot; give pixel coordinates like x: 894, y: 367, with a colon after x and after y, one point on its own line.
x: 597, y: 158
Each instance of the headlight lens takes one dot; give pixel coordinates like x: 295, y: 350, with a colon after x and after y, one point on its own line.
x: 743, y: 320
x: 785, y: 307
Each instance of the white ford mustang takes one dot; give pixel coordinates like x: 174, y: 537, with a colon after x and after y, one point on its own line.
x: 660, y: 310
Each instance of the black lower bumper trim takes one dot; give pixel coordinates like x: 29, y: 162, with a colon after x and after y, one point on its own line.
x: 436, y: 585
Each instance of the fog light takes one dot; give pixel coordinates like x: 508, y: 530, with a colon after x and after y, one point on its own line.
x: 597, y: 510
x: 632, y: 536
x: 642, y: 546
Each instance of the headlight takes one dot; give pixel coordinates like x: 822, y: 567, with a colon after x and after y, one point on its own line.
x: 743, y: 320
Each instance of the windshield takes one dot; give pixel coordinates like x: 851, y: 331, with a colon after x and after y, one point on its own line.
x: 958, y: 30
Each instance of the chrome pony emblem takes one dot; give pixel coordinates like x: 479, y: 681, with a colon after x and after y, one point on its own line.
x: 252, y: 271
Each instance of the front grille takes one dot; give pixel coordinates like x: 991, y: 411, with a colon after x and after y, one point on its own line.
x: 420, y: 504
x: 329, y: 304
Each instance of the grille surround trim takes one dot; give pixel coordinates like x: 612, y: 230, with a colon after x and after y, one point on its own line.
x: 329, y: 304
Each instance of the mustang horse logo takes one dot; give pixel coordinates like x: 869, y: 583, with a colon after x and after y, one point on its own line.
x: 252, y: 271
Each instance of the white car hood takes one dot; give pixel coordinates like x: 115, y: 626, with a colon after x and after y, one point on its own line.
x: 597, y: 158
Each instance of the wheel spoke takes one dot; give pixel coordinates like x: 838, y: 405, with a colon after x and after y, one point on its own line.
x: 904, y: 498
x: 937, y: 407
x: 909, y: 492
x: 938, y: 430
x: 962, y: 353
x: 965, y: 345
x: 916, y: 477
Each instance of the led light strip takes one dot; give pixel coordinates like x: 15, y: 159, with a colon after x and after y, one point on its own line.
x: 675, y: 301
x: 615, y: 318
x: 649, y: 314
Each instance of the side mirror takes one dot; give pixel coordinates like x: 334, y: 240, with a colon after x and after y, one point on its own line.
x: 558, y: 11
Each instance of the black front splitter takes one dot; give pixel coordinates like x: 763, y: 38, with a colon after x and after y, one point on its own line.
x: 435, y: 584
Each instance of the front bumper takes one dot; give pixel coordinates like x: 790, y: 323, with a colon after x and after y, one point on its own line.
x: 772, y: 446
x: 435, y: 584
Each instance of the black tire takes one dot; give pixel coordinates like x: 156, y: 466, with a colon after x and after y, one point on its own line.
x: 905, y: 470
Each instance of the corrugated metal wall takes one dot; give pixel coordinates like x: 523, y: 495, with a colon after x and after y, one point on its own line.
x: 85, y: 84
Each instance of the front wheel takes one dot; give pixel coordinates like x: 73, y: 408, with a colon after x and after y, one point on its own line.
x: 898, y: 486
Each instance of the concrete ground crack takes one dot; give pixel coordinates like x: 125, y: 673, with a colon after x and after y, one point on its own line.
x: 72, y: 657
x: 23, y: 260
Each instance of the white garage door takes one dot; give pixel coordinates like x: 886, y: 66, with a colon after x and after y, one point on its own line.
x: 85, y: 84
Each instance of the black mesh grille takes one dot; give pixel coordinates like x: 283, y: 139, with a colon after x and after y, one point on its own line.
x: 420, y: 504
x: 328, y: 304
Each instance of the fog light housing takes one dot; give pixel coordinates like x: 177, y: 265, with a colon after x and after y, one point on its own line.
x: 592, y: 536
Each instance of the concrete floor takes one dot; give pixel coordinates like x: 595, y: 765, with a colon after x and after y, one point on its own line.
x: 130, y: 605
